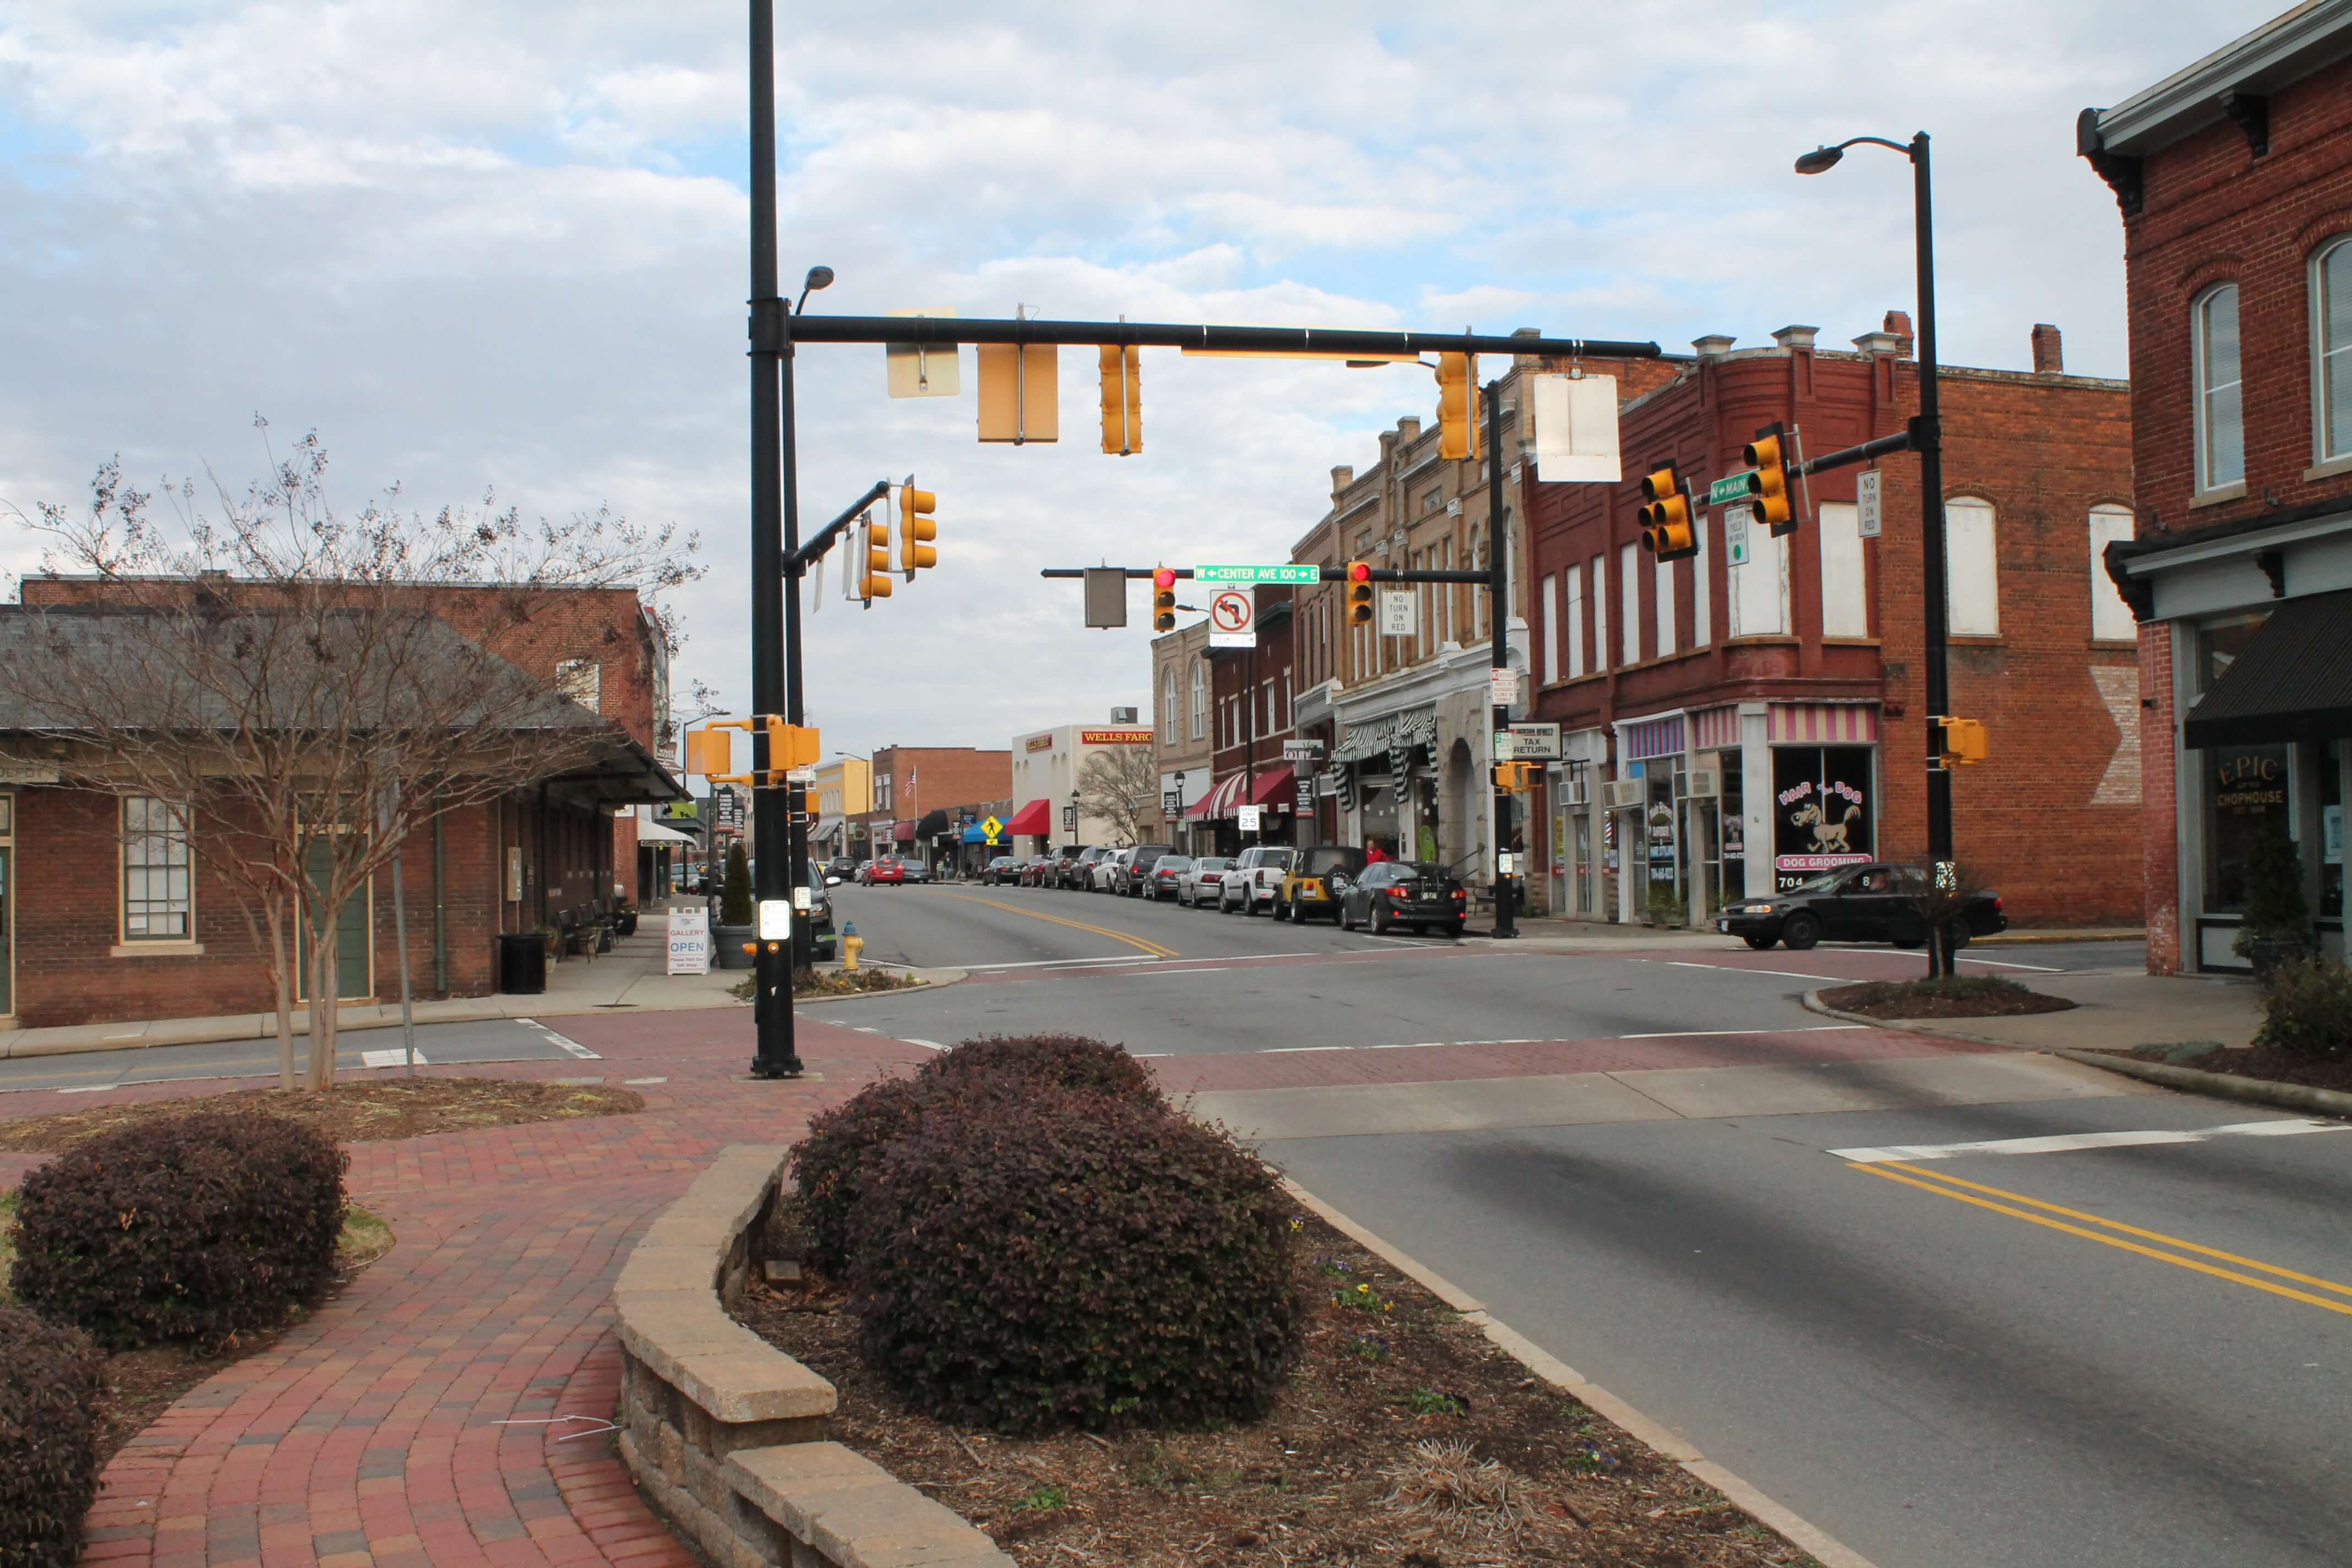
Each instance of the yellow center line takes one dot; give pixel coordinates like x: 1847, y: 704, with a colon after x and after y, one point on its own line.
x: 1153, y: 948
x: 2088, y: 1234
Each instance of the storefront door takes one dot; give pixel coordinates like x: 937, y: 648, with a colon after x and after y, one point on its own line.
x: 352, y: 977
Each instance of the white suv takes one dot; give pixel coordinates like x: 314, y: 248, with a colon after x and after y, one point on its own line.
x: 1254, y: 879
x: 1104, y: 877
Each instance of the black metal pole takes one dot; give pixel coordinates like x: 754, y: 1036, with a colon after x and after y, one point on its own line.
x: 1498, y: 599
x: 770, y: 503
x: 1931, y: 533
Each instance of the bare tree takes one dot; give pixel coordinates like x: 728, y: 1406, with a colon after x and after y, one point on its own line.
x: 304, y: 690
x: 1121, y: 785
x: 1942, y: 907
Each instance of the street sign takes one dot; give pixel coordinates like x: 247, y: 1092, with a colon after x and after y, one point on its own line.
x: 1870, y: 511
x: 1734, y: 535
x: 1397, y: 618
x: 1534, y: 744
x: 1301, y: 751
x: 1303, y: 800
x: 690, y: 941
x: 1504, y: 748
x: 1730, y: 488
x: 1251, y: 815
x: 992, y: 828
x: 1070, y: 819
x: 1281, y: 574
x: 1502, y: 687
x: 1233, y: 619
x: 1170, y: 803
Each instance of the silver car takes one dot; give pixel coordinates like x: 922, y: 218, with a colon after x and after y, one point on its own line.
x: 1201, y: 879
x: 1106, y: 876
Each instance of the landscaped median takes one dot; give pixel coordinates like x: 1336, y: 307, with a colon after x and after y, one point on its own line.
x: 726, y: 1434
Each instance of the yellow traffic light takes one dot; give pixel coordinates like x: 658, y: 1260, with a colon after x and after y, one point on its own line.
x: 1163, y: 600
x: 1122, y: 400
x: 1666, y: 529
x: 1360, y: 594
x: 916, y: 528
x: 1957, y: 743
x: 1457, y: 415
x: 873, y: 561
x: 1514, y: 778
x: 1768, y: 485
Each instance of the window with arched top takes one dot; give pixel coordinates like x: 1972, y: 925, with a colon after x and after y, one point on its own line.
x: 2221, y: 399
x: 2331, y: 350
x: 1200, y: 700
x: 1168, y: 710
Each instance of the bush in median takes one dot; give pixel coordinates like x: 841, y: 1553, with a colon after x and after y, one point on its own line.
x: 1073, y: 1259
x: 1063, y: 1061
x: 2307, y: 1010
x: 197, y: 1230
x: 50, y: 1379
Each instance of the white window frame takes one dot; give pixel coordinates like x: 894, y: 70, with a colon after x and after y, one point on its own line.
x: 1200, y: 700
x: 1551, y: 629
x: 582, y: 681
x: 2111, y: 618
x: 1669, y: 640
x: 176, y: 828
x: 1956, y: 541
x: 2338, y: 247
x: 1170, y: 721
x: 1600, y: 613
x: 1845, y: 583
x: 1702, y: 585
x: 1575, y: 620
x: 2201, y: 393
x: 1629, y: 603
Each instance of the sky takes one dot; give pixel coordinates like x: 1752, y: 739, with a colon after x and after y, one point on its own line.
x: 490, y: 244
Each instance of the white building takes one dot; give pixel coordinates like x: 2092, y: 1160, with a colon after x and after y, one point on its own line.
x: 1045, y: 764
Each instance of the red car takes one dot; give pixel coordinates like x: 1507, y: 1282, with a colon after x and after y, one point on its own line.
x: 888, y: 869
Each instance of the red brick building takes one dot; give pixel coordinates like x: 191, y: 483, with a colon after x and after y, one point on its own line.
x: 911, y: 783
x: 1252, y: 712
x: 108, y: 909
x: 1727, y: 727
x: 2234, y: 181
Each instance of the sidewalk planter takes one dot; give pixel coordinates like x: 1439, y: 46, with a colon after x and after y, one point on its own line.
x: 727, y: 945
x: 725, y: 1433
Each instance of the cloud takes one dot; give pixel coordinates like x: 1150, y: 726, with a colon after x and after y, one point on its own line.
x: 480, y: 242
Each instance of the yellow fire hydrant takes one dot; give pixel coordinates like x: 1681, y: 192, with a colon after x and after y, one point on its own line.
x: 851, y: 945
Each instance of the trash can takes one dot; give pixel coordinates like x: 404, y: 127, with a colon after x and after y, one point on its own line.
x: 523, y: 962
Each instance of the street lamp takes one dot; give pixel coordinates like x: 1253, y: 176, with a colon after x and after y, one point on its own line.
x: 1176, y: 815
x: 1926, y: 436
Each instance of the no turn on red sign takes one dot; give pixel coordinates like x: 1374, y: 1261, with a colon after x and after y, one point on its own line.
x: 1233, y: 618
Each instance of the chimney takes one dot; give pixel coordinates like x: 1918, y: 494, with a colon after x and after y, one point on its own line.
x: 1715, y: 346
x: 1796, y: 338
x: 1879, y: 344
x: 1899, y: 323
x: 2049, y: 354
x: 1408, y: 429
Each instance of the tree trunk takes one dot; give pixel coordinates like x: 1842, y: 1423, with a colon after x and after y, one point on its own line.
x: 323, y: 1000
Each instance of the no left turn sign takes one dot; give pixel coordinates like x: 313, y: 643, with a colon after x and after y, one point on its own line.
x: 1233, y: 619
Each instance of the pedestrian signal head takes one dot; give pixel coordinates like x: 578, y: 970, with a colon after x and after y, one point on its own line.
x: 1360, y: 594
x: 916, y: 528
x: 1163, y: 600
x: 1768, y: 486
x: 1458, y: 420
x: 1668, y: 530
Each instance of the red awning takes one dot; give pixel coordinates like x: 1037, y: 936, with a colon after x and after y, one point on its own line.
x: 1275, y: 786
x: 1218, y: 801
x: 1035, y: 818
x: 1271, y: 786
x: 903, y: 833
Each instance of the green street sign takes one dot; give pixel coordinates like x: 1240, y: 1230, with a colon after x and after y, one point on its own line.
x: 1285, y: 573
x: 1732, y: 489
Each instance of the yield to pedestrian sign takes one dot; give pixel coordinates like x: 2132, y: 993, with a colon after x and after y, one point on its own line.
x: 1233, y: 619
x: 992, y: 827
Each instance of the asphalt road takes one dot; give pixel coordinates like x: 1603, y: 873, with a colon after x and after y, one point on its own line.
x: 496, y: 1040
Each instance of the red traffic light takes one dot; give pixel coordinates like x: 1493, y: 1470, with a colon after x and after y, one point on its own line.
x: 1163, y: 577
x: 1359, y: 572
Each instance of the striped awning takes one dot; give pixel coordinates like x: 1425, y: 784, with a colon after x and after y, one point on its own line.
x: 1822, y: 723
x: 1715, y: 729
x: 1644, y: 738
x: 1389, y: 732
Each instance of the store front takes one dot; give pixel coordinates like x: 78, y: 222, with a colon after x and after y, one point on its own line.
x: 1385, y: 773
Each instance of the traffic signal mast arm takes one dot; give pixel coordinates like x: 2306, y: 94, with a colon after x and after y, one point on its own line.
x: 1908, y: 440
x: 797, y: 564
x: 940, y: 331
x: 1326, y: 573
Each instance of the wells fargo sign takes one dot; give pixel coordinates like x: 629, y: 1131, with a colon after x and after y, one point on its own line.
x: 1039, y: 742
x: 1114, y: 736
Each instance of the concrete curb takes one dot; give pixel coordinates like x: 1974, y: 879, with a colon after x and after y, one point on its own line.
x: 2028, y: 938
x: 2218, y: 1085
x: 1825, y: 1547
x: 1941, y: 1028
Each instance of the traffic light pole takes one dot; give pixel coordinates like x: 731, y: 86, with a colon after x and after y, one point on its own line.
x: 775, y: 612
x: 1499, y: 603
x: 1930, y: 439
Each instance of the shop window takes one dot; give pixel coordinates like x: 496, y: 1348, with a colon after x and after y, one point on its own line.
x: 2219, y: 644
x: 1823, y: 813
x: 2331, y: 350
x: 1845, y: 609
x: 2111, y: 618
x: 2332, y: 765
x: 158, y: 882
x: 2246, y: 800
x: 1972, y: 570
x: 2220, y: 407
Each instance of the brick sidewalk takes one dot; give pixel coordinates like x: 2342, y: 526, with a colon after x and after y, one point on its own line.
x: 450, y: 1405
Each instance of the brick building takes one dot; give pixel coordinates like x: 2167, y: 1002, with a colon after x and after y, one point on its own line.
x: 1253, y: 707
x: 1728, y: 728
x: 911, y: 783
x: 2234, y: 181
x: 1180, y: 724
x: 116, y: 906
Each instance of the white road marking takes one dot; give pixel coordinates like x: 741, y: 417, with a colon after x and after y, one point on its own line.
x: 1999, y: 963
x: 2069, y: 1142
x: 90, y: 1088
x: 1743, y: 969
x: 1702, y: 1034
x: 927, y: 1044
x: 393, y: 1057
x: 1289, y: 1050
x: 574, y: 1046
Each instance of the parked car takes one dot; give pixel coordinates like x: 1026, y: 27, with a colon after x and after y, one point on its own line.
x: 1391, y: 893
x: 1103, y: 877
x: 819, y: 914
x: 1312, y: 884
x: 1034, y: 871
x: 1128, y: 880
x: 841, y: 867
x: 887, y: 871
x: 914, y: 871
x: 1166, y: 873
x: 1002, y: 869
x: 1854, y: 903
x: 1078, y: 871
x: 1254, y: 879
x: 1199, y: 884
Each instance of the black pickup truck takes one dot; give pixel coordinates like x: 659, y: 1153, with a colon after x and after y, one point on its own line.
x: 1854, y: 904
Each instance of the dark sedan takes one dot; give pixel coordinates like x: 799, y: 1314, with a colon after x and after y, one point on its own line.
x: 1856, y: 903
x: 1391, y: 893
x: 1002, y: 869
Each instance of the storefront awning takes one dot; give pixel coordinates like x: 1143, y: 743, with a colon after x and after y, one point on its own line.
x: 1036, y: 819
x: 2293, y: 682
x: 1270, y: 785
x: 902, y: 833
x: 1414, y: 727
x: 654, y: 833
x: 1275, y: 785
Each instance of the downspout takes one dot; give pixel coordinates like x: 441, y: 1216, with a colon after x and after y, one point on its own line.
x: 440, y: 913
x: 544, y: 919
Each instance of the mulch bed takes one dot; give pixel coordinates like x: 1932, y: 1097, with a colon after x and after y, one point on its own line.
x: 1403, y: 1438
x: 1965, y: 996
x: 818, y: 984
x: 2252, y: 1062
x: 347, y: 1113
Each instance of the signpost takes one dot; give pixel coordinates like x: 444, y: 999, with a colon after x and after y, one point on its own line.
x: 1282, y: 575
x: 1303, y: 800
x: 1734, y: 535
x: 994, y: 828
x: 1251, y: 816
x: 1233, y: 619
x: 1869, y: 506
x: 1502, y: 686
x: 1533, y: 743
x: 1397, y: 618
x: 1730, y: 488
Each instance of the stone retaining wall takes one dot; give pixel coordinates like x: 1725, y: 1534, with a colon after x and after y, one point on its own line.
x: 726, y: 1433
